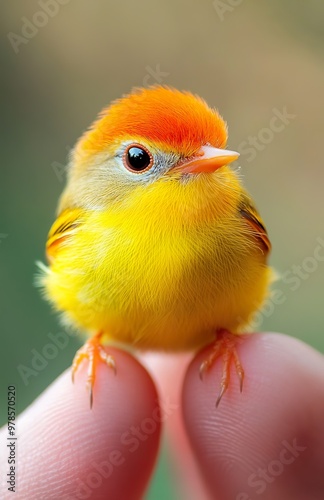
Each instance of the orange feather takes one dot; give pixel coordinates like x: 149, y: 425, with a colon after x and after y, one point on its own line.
x: 162, y: 118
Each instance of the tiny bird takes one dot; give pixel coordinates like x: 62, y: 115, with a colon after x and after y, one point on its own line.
x: 156, y: 243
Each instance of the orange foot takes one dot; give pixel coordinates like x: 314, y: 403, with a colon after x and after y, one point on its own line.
x: 225, y: 345
x: 95, y: 353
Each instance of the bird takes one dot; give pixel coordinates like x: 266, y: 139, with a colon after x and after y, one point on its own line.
x: 157, y: 245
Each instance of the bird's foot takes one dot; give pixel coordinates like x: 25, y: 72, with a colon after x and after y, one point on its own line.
x: 225, y: 346
x: 95, y: 353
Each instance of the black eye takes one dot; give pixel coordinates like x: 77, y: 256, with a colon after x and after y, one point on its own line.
x: 137, y: 158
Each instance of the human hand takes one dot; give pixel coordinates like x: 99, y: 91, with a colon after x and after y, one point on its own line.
x: 266, y: 443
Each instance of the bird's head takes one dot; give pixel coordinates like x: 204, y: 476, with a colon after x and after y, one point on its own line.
x: 155, y: 146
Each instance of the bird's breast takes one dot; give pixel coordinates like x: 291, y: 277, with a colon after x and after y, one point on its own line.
x: 160, y: 282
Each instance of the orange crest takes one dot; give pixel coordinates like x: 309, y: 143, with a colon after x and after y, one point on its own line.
x: 179, y: 121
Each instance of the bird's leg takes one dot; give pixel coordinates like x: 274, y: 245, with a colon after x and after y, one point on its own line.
x: 95, y: 353
x: 225, y: 346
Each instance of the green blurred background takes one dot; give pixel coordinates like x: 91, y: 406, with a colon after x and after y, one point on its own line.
x: 247, y: 58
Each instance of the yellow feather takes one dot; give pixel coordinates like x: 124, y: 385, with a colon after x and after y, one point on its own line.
x: 163, y: 267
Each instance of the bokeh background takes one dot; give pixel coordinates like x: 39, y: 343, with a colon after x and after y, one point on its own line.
x: 252, y: 60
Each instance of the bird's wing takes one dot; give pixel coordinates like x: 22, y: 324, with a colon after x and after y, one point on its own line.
x: 63, y: 228
x: 251, y: 216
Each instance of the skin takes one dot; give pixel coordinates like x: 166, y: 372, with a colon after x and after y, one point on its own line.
x: 282, y: 401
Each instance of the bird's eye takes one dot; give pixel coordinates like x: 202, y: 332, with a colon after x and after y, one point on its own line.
x: 137, y: 158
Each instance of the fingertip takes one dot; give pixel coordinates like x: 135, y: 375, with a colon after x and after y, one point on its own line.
x: 107, y: 451
x: 282, y: 400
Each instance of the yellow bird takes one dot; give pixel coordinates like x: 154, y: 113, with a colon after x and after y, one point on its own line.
x: 156, y: 243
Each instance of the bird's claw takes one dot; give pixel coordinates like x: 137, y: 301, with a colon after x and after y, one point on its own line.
x: 95, y: 353
x: 225, y: 346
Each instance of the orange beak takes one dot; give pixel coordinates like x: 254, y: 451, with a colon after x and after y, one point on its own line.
x: 208, y: 159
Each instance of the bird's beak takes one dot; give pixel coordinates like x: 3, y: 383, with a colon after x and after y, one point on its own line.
x: 208, y: 159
